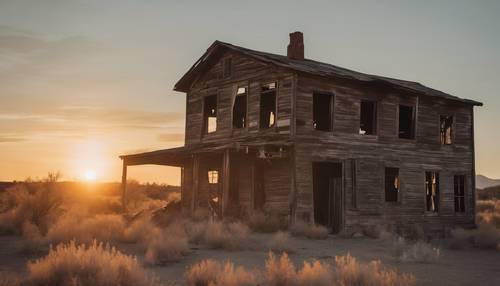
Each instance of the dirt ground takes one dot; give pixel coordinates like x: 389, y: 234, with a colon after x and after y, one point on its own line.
x: 455, y: 267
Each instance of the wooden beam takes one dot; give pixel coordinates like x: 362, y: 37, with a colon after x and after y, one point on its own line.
x: 196, y: 172
x: 226, y: 180
x: 124, y: 186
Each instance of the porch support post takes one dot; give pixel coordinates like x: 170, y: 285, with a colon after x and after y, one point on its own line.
x: 226, y: 180
x: 124, y: 186
x: 196, y: 172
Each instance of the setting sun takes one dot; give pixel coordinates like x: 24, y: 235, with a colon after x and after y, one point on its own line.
x: 90, y: 176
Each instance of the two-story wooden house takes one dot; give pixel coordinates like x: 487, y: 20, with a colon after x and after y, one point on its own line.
x: 306, y: 140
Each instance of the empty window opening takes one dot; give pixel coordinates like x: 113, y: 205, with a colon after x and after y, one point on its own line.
x: 322, y: 111
x: 368, y: 117
x: 432, y: 191
x: 459, y: 187
x: 213, y: 177
x: 406, y: 122
x: 391, y: 184
x: 446, y: 128
x: 268, y: 105
x: 210, y: 114
x: 240, y: 108
x: 227, y: 67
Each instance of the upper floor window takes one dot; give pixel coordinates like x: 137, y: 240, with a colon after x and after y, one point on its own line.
x: 210, y: 114
x: 459, y: 192
x: 322, y: 111
x: 406, y: 122
x: 213, y: 176
x: 432, y: 191
x: 368, y: 117
x: 240, y: 108
x: 227, y: 67
x: 268, y: 105
x: 446, y: 129
x: 391, y: 184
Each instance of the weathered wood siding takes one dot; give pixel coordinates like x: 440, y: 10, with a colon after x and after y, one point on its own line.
x: 248, y: 73
x: 372, y: 153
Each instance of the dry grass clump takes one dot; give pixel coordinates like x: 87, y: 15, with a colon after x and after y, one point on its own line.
x: 83, y: 228
x: 211, y: 272
x: 310, y: 231
x: 280, y: 242
x: 9, y: 279
x: 72, y: 264
x: 220, y: 235
x: 262, y: 222
x: 486, y: 236
x: 418, y: 251
x: 280, y: 270
x: 349, y: 271
x: 165, y: 245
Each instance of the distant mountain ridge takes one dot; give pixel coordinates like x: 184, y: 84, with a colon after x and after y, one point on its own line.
x: 485, y: 182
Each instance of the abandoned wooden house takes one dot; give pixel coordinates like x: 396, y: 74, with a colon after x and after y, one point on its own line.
x: 310, y: 141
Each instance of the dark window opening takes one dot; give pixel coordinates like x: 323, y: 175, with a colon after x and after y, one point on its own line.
x: 406, y: 122
x: 227, y: 67
x: 459, y: 187
x: 391, y: 184
x: 210, y: 114
x: 322, y: 111
x: 432, y: 191
x: 268, y: 105
x: 446, y: 129
x: 368, y: 117
x: 240, y: 108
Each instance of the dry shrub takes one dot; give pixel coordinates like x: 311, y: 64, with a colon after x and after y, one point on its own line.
x: 19, y: 205
x: 211, y: 272
x: 138, y: 229
x: 280, y: 242
x: 9, y: 279
x: 221, y: 235
x: 72, y: 264
x: 310, y: 231
x: 460, y: 238
x: 33, y: 240
x: 350, y: 272
x: 280, y: 271
x: 418, y: 251
x: 165, y: 245
x: 492, y: 218
x: 261, y: 222
x: 487, y: 205
x: 80, y: 227
x: 315, y: 273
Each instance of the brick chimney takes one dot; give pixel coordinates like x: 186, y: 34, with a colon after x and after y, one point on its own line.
x: 295, y: 49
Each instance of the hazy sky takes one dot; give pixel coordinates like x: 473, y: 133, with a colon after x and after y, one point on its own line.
x: 84, y: 81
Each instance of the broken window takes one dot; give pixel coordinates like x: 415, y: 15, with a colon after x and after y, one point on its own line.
x: 240, y: 108
x: 406, y: 122
x: 213, y: 177
x: 268, y: 105
x: 210, y: 114
x: 368, y: 117
x: 227, y: 67
x: 322, y: 111
x: 391, y: 184
x: 459, y: 187
x: 432, y: 191
x: 446, y: 129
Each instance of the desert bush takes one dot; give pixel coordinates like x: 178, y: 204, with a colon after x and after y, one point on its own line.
x: 20, y: 204
x: 280, y: 270
x: 72, y: 264
x: 165, y: 245
x: 410, y: 251
x: 486, y: 205
x: 460, y: 238
x: 280, y: 242
x: 310, y: 231
x: 262, y: 222
x: 231, y: 236
x: 348, y: 271
x: 211, y: 272
x: 9, y: 279
x: 83, y: 228
x: 315, y: 273
x: 492, y: 218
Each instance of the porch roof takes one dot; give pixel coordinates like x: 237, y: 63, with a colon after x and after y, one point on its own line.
x: 179, y: 156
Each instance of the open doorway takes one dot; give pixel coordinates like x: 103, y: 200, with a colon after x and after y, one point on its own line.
x: 327, y: 192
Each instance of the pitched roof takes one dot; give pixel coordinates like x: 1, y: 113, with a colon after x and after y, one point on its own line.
x: 309, y: 67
